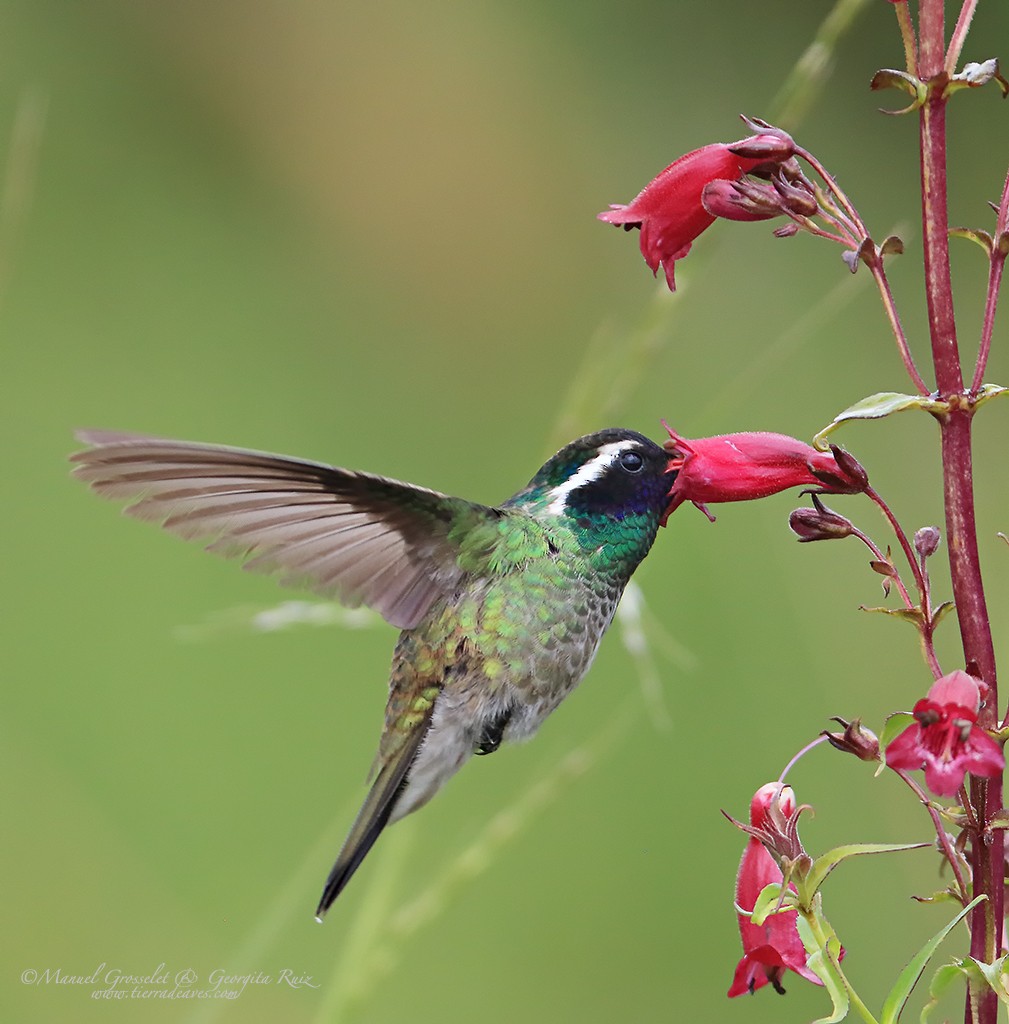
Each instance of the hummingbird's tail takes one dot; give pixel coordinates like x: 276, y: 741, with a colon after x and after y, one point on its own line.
x: 371, y: 818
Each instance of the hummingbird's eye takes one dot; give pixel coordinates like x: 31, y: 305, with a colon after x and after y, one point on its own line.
x: 632, y: 462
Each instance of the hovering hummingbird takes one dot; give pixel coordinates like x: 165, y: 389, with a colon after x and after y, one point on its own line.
x: 501, y: 608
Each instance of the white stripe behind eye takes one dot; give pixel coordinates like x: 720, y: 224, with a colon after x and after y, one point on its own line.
x: 591, y: 471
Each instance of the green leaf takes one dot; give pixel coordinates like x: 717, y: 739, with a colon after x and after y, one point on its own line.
x: 997, y: 976
x: 912, y: 615
x: 825, y: 970
x: 888, y: 78
x: 768, y: 902
x: 987, y: 391
x: 892, y: 245
x: 825, y: 863
x: 908, y: 977
x: 941, y: 981
x: 894, y: 725
x: 875, y: 407
x: 982, y: 238
x: 938, y: 614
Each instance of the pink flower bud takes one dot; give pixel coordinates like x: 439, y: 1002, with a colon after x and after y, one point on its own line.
x: 926, y: 541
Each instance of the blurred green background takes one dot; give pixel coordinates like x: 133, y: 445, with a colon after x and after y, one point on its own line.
x: 364, y: 233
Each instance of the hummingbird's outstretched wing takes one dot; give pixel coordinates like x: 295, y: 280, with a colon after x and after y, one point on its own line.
x: 374, y: 813
x: 360, y: 538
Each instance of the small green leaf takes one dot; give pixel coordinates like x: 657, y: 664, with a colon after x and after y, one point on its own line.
x: 982, y: 238
x: 770, y: 901
x: 938, y: 614
x: 875, y: 407
x: 987, y: 391
x: 825, y: 863
x: 893, y: 245
x: 997, y: 976
x: 888, y: 78
x: 825, y: 970
x: 912, y: 615
x: 941, y: 981
x: 908, y: 977
x: 942, y: 896
x: 894, y: 725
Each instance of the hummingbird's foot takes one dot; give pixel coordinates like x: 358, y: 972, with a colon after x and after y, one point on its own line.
x: 490, y: 739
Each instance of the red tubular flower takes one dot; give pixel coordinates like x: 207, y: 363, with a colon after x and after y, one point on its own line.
x: 771, y: 948
x: 740, y: 467
x: 945, y: 740
x: 670, y: 210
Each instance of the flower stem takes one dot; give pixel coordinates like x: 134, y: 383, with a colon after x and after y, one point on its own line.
x: 926, y: 627
x: 997, y: 258
x: 959, y: 35
x: 907, y: 34
x: 987, y: 856
x: 941, y: 834
x: 905, y: 546
x: 816, y: 927
x: 822, y: 738
x: 859, y: 231
x: 883, y: 284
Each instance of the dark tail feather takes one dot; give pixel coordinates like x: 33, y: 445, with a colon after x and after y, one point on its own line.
x: 370, y: 820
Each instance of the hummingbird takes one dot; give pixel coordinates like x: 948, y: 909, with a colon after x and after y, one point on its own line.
x: 501, y: 608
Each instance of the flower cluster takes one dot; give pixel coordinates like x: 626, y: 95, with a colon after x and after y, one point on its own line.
x: 673, y: 209
x: 771, y: 948
x: 711, y: 182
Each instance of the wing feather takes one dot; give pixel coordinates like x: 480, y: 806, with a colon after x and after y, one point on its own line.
x: 360, y: 538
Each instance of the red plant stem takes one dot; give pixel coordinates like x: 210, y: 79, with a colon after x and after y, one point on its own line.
x: 997, y: 259
x: 959, y: 35
x: 907, y: 34
x: 987, y: 857
x: 859, y: 231
x: 905, y: 545
x: 941, y: 834
x: 926, y: 626
x: 879, y: 276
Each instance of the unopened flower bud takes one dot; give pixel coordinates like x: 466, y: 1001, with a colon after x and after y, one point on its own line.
x: 795, y: 198
x: 740, y: 200
x: 767, y: 144
x: 926, y: 541
x: 819, y: 523
x: 852, y: 477
x: 855, y: 739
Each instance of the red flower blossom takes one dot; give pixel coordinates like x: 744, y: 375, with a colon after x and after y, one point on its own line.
x: 740, y: 467
x: 945, y: 740
x: 771, y: 948
x: 670, y: 209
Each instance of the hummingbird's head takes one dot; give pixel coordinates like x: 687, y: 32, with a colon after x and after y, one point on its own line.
x: 612, y: 479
